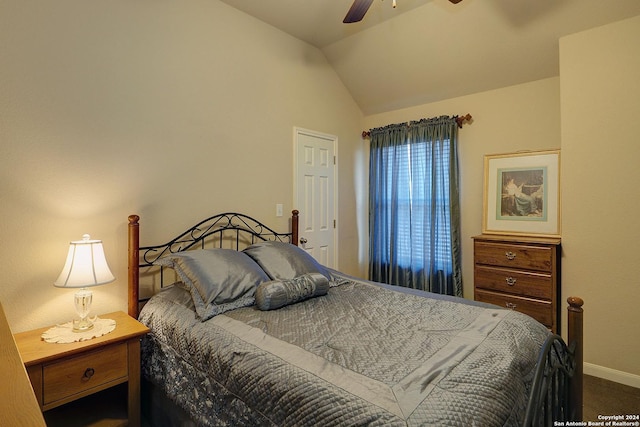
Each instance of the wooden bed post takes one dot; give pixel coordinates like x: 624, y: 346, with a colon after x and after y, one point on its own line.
x: 294, y: 226
x: 133, y: 262
x: 575, y: 335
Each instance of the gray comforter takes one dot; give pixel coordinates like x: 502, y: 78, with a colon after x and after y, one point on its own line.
x: 361, y: 355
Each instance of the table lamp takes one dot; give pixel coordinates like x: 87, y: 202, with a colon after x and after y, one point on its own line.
x: 86, y: 266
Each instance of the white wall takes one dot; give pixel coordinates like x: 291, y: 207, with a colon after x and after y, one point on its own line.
x: 600, y: 93
x: 169, y: 109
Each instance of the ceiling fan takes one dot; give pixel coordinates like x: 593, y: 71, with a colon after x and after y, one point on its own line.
x: 359, y: 9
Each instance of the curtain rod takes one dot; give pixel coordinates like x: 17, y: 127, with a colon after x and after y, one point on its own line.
x: 459, y: 119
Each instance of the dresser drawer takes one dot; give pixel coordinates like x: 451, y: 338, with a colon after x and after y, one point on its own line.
x: 540, y: 310
x: 95, y: 369
x: 514, y: 255
x: 519, y: 282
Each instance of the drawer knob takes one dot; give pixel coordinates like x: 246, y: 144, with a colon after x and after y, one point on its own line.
x: 88, y: 374
x: 510, y: 305
x: 511, y: 281
x: 510, y: 255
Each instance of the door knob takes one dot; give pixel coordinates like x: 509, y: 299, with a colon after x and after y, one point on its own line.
x: 303, y: 240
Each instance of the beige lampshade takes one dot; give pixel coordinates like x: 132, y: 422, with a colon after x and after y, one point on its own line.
x: 86, y: 265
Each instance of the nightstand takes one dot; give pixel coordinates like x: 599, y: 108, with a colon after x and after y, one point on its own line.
x: 63, y: 373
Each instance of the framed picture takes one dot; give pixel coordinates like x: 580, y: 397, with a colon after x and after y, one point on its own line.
x: 522, y: 193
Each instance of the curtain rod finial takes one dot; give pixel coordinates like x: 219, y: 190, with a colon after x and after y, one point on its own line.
x: 461, y: 119
x: 366, y: 134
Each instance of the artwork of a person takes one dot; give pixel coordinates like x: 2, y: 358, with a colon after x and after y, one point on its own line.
x: 524, y: 203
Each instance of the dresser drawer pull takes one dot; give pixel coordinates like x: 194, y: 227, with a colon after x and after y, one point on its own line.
x: 511, y: 281
x: 510, y: 305
x: 510, y: 255
x: 88, y: 374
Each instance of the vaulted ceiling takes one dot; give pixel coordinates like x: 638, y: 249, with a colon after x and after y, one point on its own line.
x: 428, y: 50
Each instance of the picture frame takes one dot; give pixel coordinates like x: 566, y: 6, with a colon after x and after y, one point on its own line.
x: 522, y: 193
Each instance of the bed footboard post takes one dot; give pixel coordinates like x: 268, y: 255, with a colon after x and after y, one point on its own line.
x: 294, y: 226
x: 133, y: 262
x: 575, y: 337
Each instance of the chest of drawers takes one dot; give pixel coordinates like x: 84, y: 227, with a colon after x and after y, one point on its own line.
x: 520, y: 273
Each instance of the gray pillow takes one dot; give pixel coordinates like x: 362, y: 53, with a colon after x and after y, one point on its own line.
x: 278, y: 293
x: 218, y: 280
x: 282, y: 261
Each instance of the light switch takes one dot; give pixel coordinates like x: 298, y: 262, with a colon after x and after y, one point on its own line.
x: 279, y: 209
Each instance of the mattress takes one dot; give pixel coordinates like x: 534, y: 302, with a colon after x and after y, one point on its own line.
x: 363, y: 354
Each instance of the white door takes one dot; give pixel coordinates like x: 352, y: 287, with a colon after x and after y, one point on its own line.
x: 315, y: 193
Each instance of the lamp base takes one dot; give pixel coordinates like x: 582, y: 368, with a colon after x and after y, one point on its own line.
x: 82, y: 325
x: 82, y: 300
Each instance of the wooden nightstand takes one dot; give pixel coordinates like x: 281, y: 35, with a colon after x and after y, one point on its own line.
x: 63, y: 373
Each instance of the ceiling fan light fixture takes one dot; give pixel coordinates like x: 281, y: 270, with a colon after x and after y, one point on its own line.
x: 360, y: 7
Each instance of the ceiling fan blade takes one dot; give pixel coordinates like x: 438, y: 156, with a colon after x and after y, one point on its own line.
x: 357, y: 11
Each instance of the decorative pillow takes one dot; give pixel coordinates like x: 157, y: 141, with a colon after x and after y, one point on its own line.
x: 278, y: 293
x: 284, y: 261
x: 218, y: 280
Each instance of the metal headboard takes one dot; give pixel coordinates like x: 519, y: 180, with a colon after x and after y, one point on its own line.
x: 231, y: 230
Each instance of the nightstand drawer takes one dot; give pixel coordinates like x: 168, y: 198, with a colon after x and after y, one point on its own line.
x: 519, y: 282
x: 539, y: 310
x: 96, y: 369
x: 514, y: 256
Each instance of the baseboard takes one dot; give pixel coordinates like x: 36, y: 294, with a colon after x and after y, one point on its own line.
x: 612, y: 375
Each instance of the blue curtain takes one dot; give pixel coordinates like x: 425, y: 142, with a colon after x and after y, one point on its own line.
x: 414, y: 206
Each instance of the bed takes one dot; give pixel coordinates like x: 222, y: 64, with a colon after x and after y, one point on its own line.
x: 247, y: 329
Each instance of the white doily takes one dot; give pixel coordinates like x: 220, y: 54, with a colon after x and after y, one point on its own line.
x: 64, y: 333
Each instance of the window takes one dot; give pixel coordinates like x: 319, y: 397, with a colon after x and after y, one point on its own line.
x: 414, y: 208
x: 418, y: 201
